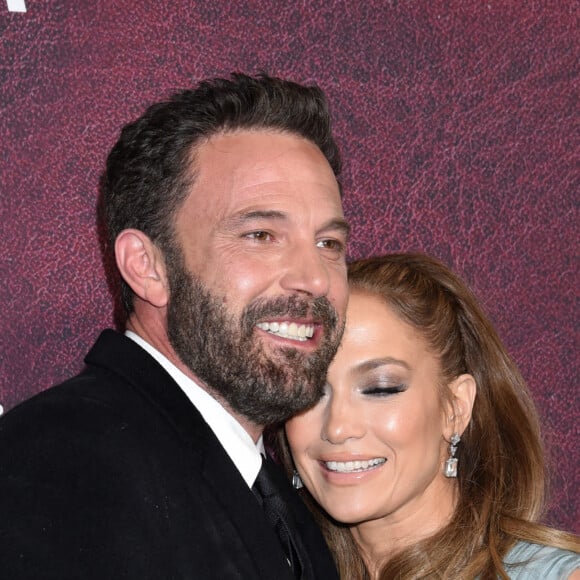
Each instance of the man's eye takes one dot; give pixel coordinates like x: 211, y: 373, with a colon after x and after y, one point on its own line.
x: 259, y: 236
x: 331, y: 244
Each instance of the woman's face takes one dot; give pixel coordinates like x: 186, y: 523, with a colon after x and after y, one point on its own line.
x: 374, y: 446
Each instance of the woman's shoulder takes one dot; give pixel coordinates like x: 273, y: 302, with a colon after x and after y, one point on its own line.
x: 526, y: 561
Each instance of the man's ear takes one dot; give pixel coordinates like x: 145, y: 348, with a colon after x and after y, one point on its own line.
x: 462, y: 392
x: 142, y: 266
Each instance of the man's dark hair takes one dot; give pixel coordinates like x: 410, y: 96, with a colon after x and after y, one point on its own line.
x: 149, y: 170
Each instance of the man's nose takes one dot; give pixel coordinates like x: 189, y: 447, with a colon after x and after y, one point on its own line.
x: 306, y: 271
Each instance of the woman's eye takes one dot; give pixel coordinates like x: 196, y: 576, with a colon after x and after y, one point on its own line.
x: 378, y: 391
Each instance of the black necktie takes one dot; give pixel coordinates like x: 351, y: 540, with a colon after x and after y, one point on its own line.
x: 276, y: 510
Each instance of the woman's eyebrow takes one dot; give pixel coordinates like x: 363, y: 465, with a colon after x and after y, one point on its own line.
x: 370, y: 365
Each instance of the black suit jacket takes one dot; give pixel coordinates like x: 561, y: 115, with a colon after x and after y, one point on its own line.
x: 114, y: 474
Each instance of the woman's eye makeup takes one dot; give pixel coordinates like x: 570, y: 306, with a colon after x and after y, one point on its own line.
x: 383, y: 391
x: 383, y: 387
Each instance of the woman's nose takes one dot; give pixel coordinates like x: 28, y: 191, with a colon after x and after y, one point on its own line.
x: 342, y: 421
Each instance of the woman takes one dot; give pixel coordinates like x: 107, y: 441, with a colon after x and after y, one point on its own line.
x: 425, y: 449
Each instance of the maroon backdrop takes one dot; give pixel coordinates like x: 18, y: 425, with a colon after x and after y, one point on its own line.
x: 459, y: 127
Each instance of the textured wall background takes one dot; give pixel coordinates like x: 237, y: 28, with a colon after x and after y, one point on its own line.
x: 458, y: 122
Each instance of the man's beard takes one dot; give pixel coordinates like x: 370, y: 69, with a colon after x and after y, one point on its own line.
x: 264, y: 386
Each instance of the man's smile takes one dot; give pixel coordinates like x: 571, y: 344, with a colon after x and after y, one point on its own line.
x: 291, y: 330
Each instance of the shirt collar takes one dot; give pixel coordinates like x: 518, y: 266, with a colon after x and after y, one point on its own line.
x: 244, y: 453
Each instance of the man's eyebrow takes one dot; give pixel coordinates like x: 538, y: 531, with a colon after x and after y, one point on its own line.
x: 338, y: 224
x: 242, y: 218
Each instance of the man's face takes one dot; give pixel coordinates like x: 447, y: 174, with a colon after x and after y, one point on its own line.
x: 258, y: 289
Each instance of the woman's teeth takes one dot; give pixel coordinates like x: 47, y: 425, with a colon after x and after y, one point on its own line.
x: 353, y: 466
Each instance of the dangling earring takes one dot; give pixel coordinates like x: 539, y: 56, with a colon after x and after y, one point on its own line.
x: 451, y: 463
x: 296, y: 480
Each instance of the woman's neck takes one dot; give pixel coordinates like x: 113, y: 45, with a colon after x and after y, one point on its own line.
x: 381, y: 539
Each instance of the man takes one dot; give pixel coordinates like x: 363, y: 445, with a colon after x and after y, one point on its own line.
x: 224, y: 213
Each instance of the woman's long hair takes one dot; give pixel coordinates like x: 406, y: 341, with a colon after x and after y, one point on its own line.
x: 501, y: 461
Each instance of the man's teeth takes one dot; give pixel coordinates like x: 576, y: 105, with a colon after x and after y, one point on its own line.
x: 290, y: 330
x: 353, y: 466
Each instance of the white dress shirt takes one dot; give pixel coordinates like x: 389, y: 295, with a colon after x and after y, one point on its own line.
x: 245, y: 454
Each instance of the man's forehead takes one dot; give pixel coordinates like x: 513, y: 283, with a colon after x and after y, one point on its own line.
x: 261, y: 155
x: 262, y: 171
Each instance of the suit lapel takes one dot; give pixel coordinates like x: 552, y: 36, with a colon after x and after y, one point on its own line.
x: 125, y: 357
x: 220, y: 477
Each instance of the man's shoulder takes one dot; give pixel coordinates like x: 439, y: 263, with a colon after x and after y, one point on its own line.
x: 96, y: 386
x: 117, y: 388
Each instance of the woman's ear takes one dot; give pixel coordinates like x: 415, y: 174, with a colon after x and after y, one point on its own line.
x: 462, y: 392
x: 142, y: 266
